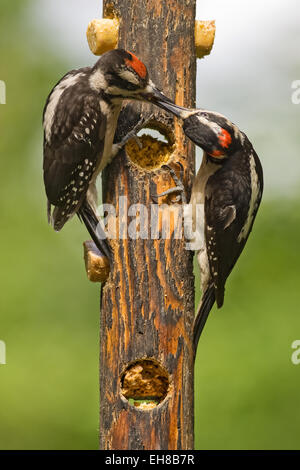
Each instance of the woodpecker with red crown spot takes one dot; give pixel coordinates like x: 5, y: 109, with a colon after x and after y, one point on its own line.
x: 80, y: 119
x: 226, y: 195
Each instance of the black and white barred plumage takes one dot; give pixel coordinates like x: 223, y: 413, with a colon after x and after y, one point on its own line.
x: 80, y: 119
x: 73, y: 143
x: 226, y: 195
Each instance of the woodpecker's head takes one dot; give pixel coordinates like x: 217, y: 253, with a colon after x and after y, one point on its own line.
x: 120, y: 75
x: 211, y: 131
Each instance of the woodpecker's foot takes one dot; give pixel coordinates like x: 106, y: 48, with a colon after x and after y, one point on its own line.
x: 131, y: 135
x: 179, y: 188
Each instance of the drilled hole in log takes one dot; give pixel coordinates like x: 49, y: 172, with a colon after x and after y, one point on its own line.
x: 157, y: 146
x: 145, y: 383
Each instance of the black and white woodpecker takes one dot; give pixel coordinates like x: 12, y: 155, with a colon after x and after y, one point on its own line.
x: 225, y: 198
x: 79, y: 120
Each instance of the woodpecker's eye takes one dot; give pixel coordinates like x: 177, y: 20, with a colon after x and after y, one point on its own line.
x: 129, y: 79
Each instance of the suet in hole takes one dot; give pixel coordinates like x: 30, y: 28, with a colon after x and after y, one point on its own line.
x: 145, y: 383
x: 153, y: 147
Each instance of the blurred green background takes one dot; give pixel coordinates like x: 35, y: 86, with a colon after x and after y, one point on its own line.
x: 247, y: 389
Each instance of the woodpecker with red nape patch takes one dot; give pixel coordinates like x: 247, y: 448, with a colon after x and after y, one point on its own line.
x: 80, y: 119
x: 226, y: 195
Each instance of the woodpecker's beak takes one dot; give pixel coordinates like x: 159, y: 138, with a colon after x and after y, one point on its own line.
x: 156, y: 97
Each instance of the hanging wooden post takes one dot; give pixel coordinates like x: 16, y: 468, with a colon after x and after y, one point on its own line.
x: 147, y: 309
x: 147, y: 306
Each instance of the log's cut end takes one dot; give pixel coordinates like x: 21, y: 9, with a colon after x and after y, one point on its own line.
x: 204, y: 37
x: 96, y: 264
x: 102, y: 35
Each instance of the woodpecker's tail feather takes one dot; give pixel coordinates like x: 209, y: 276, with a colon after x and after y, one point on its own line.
x: 94, y: 228
x: 48, y: 211
x: 59, y: 217
x: 55, y: 217
x: 204, y: 308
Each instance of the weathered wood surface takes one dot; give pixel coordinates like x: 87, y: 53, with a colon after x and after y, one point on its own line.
x: 147, y: 306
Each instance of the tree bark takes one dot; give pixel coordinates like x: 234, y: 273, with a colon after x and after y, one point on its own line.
x: 147, y: 306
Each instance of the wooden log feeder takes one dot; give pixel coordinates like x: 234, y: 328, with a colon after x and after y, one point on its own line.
x: 147, y: 301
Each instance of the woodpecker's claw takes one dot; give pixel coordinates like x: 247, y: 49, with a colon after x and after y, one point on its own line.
x: 179, y: 188
x: 132, y: 135
x: 179, y: 183
x: 181, y: 170
x: 138, y: 141
x: 142, y: 123
x: 137, y: 128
